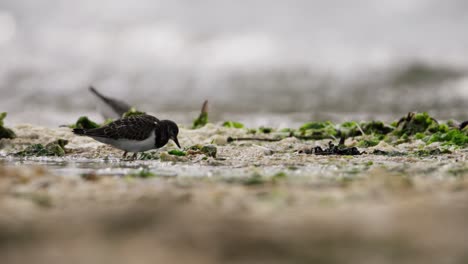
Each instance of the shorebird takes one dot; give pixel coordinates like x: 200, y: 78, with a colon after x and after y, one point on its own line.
x: 134, y: 134
x: 113, y: 108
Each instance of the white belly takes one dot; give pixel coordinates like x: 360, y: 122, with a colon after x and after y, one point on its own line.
x: 130, y: 145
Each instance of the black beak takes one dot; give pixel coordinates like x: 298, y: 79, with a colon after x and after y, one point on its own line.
x: 177, y: 142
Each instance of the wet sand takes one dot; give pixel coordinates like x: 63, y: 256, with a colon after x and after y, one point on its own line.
x: 256, y: 202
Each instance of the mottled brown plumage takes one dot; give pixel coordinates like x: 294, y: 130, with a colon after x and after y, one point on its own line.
x: 137, y: 127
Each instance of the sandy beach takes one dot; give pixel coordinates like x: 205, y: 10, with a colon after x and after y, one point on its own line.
x: 256, y: 202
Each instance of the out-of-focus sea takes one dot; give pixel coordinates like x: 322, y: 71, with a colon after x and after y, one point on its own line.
x: 261, y: 62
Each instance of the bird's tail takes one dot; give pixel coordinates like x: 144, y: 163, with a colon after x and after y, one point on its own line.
x: 79, y: 131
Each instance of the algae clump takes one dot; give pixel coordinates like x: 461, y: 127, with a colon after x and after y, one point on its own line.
x: 373, y: 131
x: 415, y: 123
x: 424, y: 127
x: 376, y: 127
x: 318, y: 130
x: 265, y: 130
x: 176, y: 152
x: 85, y: 123
x: 209, y: 150
x: 451, y: 137
x: 202, y: 119
x: 56, y: 148
x: 350, y: 129
x: 233, y: 124
x: 132, y: 112
x: 107, y: 121
x: 5, y: 132
x: 370, y: 141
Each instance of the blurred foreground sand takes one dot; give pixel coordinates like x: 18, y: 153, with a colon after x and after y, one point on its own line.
x: 393, y: 210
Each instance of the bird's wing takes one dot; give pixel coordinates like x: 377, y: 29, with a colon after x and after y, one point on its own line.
x: 117, y: 106
x: 137, y: 127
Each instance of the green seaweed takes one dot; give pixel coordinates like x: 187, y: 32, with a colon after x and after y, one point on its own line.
x: 426, y: 128
x: 287, y: 130
x: 252, y: 131
x: 132, y: 112
x: 176, y: 152
x: 85, y: 123
x: 376, y: 127
x: 451, y: 137
x: 2, y: 117
x: 107, y: 121
x: 369, y: 141
x: 5, y: 132
x: 419, y: 135
x: 61, y: 142
x: 316, y: 125
x: 233, y: 124
x: 265, y: 130
x: 350, y: 129
x: 452, y: 123
x: 202, y: 119
x: 399, y: 140
x: 415, y: 123
x: 413, y: 126
x: 318, y: 130
x: 209, y: 150
x: 195, y: 147
x: 346, y: 129
x: 33, y: 150
x: 56, y: 148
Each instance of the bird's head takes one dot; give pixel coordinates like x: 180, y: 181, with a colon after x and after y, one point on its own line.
x: 172, y: 131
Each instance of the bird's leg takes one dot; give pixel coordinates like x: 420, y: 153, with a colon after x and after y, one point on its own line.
x: 135, y: 156
x: 124, y: 156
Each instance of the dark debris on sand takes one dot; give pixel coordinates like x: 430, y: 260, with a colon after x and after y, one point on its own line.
x: 333, y: 149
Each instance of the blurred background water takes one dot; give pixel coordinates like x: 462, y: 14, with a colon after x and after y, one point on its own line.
x: 262, y: 62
